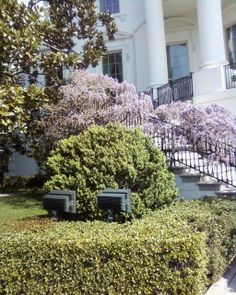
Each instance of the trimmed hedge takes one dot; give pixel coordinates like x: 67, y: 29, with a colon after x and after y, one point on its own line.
x: 217, y: 218
x: 165, y: 253
x: 99, y: 258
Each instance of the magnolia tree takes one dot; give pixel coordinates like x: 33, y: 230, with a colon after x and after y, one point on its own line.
x: 32, y: 47
x: 87, y: 99
x: 23, y: 32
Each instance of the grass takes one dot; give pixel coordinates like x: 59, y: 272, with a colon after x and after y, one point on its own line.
x: 19, y: 209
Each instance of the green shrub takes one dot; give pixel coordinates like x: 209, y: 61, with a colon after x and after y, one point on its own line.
x: 148, y: 257
x: 111, y: 157
x: 24, y: 181
x: 176, y: 250
x: 15, y: 181
x: 215, y: 217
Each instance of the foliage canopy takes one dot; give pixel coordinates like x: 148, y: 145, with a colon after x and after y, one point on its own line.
x: 34, y: 46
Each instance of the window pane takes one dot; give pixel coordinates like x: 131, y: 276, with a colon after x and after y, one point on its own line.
x: 231, y: 42
x: 110, y: 5
x: 105, y: 69
x: 111, y: 58
x: 234, y: 43
x: 119, y: 78
x: 118, y: 57
x: 119, y: 69
x: 112, y: 65
x: 177, y: 59
x: 105, y: 59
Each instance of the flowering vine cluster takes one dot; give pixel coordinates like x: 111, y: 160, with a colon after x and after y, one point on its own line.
x: 94, y: 99
x: 212, y: 122
x: 97, y: 99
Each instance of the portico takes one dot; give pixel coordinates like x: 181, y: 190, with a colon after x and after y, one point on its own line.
x: 203, y: 36
x: 210, y: 35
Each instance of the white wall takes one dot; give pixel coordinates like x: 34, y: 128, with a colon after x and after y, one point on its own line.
x: 184, y: 30
x: 225, y: 98
x: 131, y: 22
x: 141, y: 69
x: 131, y: 40
x: 20, y: 165
x: 208, y: 80
x: 131, y: 16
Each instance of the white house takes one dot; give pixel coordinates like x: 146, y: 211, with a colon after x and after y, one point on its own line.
x: 160, y: 42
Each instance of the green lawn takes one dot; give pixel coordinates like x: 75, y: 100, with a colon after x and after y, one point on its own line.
x: 26, y: 203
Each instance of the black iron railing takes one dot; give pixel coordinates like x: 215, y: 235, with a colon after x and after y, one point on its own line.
x: 182, y: 89
x: 214, y: 159
x: 176, y: 90
x: 162, y: 95
x: 230, y: 76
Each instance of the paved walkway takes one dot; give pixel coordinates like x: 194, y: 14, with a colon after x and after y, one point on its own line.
x: 226, y: 285
x: 4, y: 195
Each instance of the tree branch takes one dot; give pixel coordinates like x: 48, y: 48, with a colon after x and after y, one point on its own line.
x: 60, y: 50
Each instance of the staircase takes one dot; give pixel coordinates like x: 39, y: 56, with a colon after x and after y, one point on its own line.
x: 201, y: 167
x: 193, y: 185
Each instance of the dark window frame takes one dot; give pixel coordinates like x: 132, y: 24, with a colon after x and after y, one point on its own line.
x: 231, y: 30
x: 112, y: 65
x: 113, y: 6
x: 170, y: 67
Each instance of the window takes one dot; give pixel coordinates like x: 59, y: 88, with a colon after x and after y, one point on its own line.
x: 112, y: 65
x: 231, y: 42
x: 177, y: 59
x: 113, y: 6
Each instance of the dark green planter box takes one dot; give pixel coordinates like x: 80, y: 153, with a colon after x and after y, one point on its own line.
x: 115, y: 199
x: 61, y: 201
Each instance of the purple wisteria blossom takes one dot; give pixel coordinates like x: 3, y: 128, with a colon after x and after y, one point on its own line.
x: 94, y: 98
x: 212, y: 122
x: 97, y: 99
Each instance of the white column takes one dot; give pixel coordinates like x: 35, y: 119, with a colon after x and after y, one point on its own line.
x: 156, y: 44
x: 211, y: 36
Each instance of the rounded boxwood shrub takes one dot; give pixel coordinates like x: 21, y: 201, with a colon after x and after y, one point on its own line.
x: 111, y: 157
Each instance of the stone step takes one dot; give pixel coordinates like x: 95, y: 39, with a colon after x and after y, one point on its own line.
x: 194, y: 185
x: 209, y: 186
x: 190, y: 177
x: 227, y: 193
x: 178, y: 170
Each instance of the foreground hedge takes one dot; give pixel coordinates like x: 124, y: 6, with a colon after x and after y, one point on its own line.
x: 97, y: 258
x: 215, y: 217
x: 168, y: 252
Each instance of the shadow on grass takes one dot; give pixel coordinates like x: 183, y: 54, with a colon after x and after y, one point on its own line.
x: 23, y: 199
x: 37, y: 222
